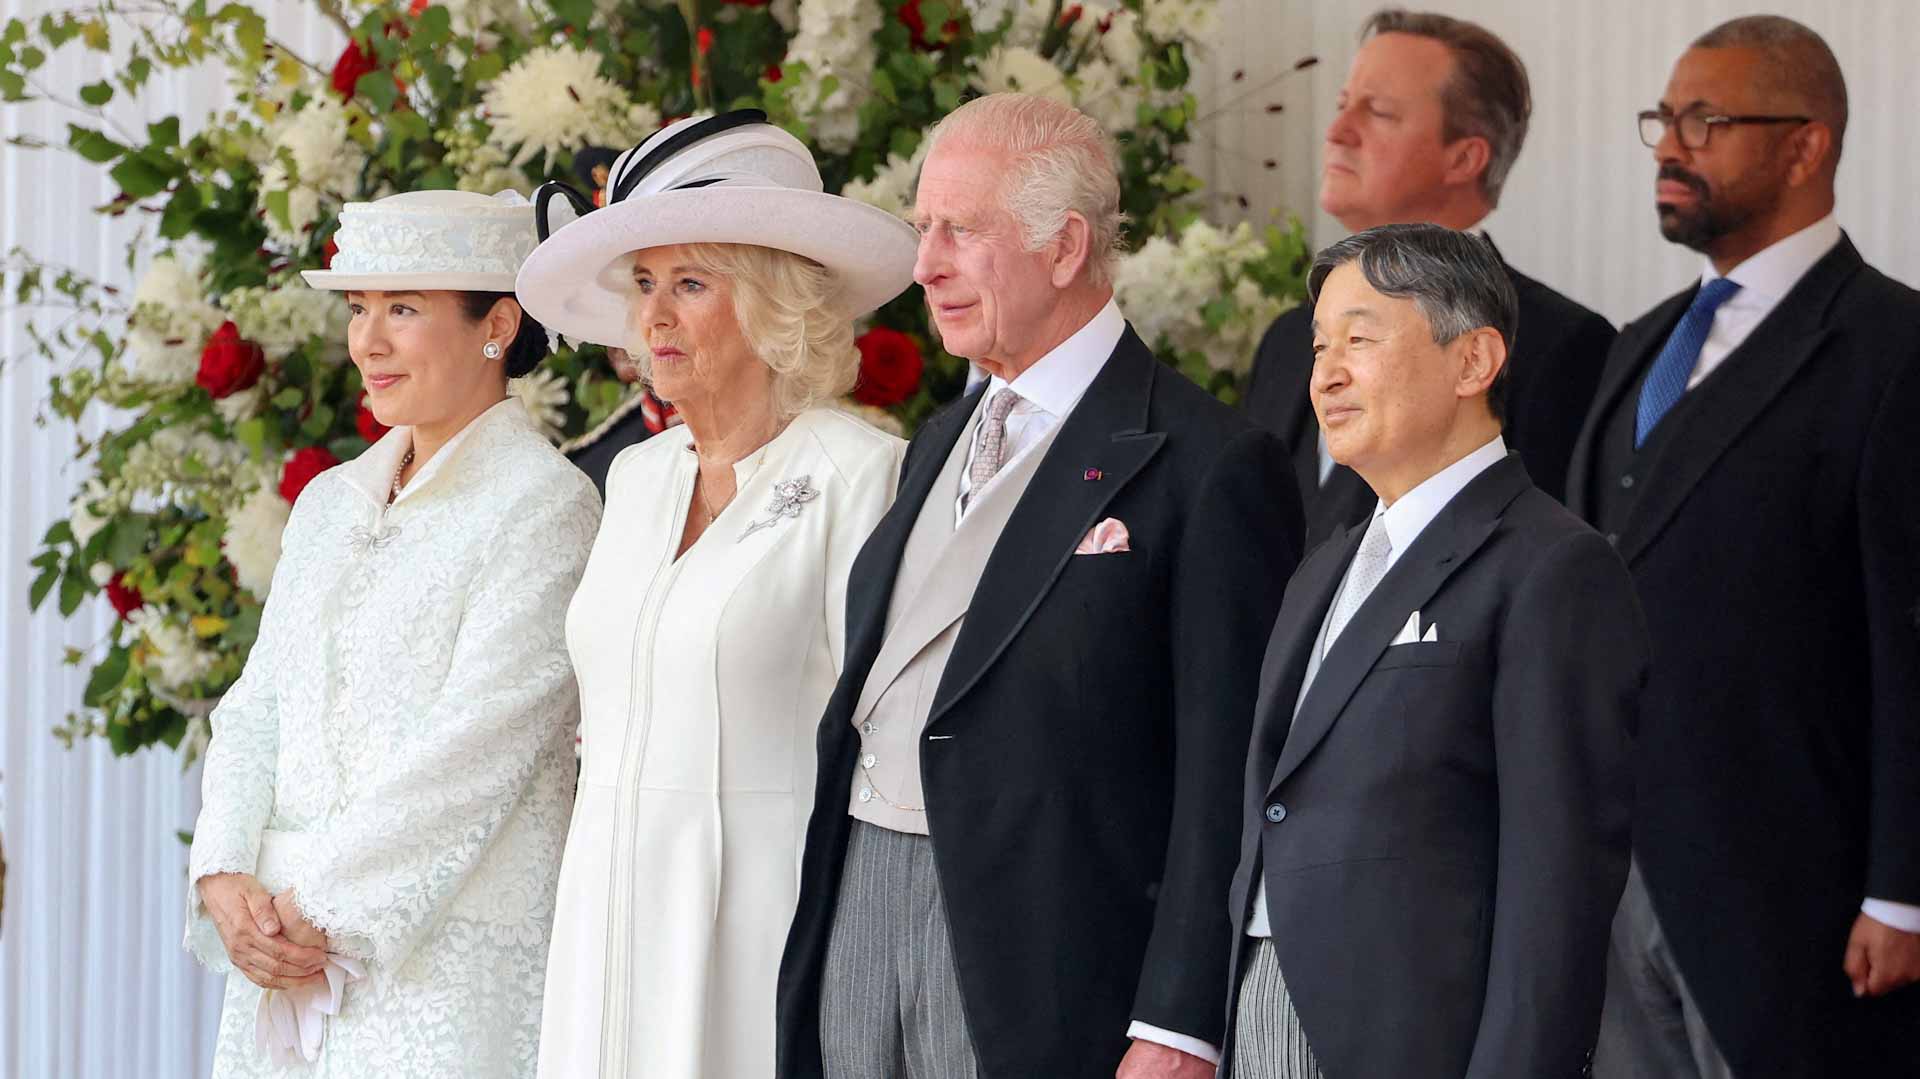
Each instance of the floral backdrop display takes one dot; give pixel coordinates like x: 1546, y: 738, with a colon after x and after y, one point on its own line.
x: 224, y: 379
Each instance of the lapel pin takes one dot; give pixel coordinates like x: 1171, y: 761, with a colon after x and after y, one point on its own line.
x: 1091, y: 474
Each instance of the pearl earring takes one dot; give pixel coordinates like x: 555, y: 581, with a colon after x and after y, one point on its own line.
x: 491, y: 351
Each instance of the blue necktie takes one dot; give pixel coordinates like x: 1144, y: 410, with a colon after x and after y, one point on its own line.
x: 1667, y: 379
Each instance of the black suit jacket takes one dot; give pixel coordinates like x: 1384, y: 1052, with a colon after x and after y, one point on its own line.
x: 1776, y: 545
x: 1452, y: 826
x: 1091, y: 725
x: 1555, y: 364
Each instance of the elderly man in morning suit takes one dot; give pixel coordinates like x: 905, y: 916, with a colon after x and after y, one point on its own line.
x: 1751, y: 454
x: 1436, y: 814
x: 1026, y: 788
x: 1430, y: 121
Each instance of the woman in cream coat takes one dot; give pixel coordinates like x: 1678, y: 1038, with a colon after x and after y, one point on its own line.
x: 387, y: 790
x: 707, y: 632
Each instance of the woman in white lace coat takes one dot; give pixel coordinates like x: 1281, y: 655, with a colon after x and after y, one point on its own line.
x: 709, y: 629
x: 389, y: 784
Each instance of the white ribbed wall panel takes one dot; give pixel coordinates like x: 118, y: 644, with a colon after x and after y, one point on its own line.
x: 93, y: 983
x: 1578, y: 208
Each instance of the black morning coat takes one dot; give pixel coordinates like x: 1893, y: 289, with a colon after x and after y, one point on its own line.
x: 1443, y: 826
x: 1557, y: 356
x: 1772, y: 524
x: 1083, y: 753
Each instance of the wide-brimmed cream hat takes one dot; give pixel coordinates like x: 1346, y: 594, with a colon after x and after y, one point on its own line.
x: 732, y: 178
x: 459, y: 240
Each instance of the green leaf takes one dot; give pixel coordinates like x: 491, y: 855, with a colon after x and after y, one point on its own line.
x: 376, y: 88
x: 13, y: 86
x: 576, y: 13
x: 41, y: 586
x: 177, y: 220
x: 485, y: 67
x: 74, y: 587
x: 31, y: 58
x: 58, y: 532
x: 288, y: 397
x: 138, y: 70
x: 253, y: 434
x: 106, y: 678
x: 277, y: 206
x: 129, y: 540
x: 166, y: 133
x: 138, y: 177
x: 433, y: 25
x: 92, y: 145
x: 97, y: 93
x: 318, y: 421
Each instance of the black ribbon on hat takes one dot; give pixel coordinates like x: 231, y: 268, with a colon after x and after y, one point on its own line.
x: 629, y: 179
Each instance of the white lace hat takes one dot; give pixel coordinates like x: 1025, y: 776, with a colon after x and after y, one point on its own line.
x: 459, y: 240
x: 732, y: 178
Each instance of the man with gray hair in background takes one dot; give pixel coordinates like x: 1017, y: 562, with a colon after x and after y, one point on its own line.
x: 1751, y: 453
x: 1435, y: 827
x: 1024, y: 822
x: 1427, y: 128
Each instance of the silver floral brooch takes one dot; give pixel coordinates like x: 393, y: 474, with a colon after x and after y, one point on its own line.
x: 363, y: 541
x: 788, y: 497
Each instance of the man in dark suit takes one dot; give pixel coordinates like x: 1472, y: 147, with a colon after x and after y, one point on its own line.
x: 1431, y: 119
x: 1024, y: 818
x: 1751, y: 454
x: 1435, y: 829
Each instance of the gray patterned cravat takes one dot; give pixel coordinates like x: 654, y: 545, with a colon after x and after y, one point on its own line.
x: 992, y: 452
x: 1369, y: 565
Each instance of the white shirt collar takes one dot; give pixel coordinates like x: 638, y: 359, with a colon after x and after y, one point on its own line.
x: 1769, y: 275
x: 1412, y: 512
x: 373, y: 471
x: 1056, y: 382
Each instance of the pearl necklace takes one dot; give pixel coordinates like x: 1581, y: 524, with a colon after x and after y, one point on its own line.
x: 394, y: 491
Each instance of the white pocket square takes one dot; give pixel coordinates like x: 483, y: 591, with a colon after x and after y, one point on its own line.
x: 1410, y: 633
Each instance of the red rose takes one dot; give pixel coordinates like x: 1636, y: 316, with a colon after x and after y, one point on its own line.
x: 366, y: 422
x: 916, y: 24
x: 353, y: 63
x: 301, y: 468
x: 890, y: 366
x: 327, y: 253
x: 229, y: 363
x: 125, y: 598
x: 703, y: 40
x: 774, y: 74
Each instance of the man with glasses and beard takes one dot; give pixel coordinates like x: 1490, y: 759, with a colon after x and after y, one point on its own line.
x: 1750, y: 456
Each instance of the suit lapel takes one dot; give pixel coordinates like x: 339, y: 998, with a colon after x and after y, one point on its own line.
x: 1446, y: 545
x: 1736, y: 394
x: 1105, y: 435
x: 1302, y: 611
x: 1630, y: 355
x: 879, y: 559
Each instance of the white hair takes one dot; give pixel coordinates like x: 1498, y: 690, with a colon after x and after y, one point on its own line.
x: 1063, y: 162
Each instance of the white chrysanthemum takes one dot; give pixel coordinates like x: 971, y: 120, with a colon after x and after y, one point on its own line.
x: 1121, y: 43
x: 1193, y: 21
x: 1101, y: 92
x: 252, y: 542
x: 81, y: 518
x: 544, y: 395
x: 1147, y: 287
x: 554, y: 100
x: 242, y: 404
x: 1029, y: 18
x: 834, y: 42
x: 283, y: 319
x: 171, y: 658
x: 892, y: 186
x: 1018, y: 68
x: 484, y: 21
x: 170, y: 325
x: 314, y: 160
x: 1166, y: 286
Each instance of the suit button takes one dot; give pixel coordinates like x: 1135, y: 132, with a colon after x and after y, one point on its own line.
x: 1626, y: 481
x: 866, y: 794
x: 1276, y: 813
x: 869, y: 761
x: 1613, y: 538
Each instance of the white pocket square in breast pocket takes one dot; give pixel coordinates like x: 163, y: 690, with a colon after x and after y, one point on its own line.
x: 1410, y: 633
x: 1107, y: 537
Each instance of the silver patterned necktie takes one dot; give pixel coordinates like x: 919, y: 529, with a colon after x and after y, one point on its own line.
x: 1369, y: 565
x: 992, y: 451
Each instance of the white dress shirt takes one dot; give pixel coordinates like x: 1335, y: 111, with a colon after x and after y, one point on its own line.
x: 1765, y: 279
x: 1409, y: 516
x: 1048, y: 391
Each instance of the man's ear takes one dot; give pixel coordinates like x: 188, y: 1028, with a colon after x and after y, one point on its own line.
x: 1812, y: 149
x: 1072, y: 247
x: 1468, y: 159
x: 1484, y: 354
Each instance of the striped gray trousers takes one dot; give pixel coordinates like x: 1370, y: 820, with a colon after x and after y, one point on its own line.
x: 1267, y: 1041
x: 890, y: 997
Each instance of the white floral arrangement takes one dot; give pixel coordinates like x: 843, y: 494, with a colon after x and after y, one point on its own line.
x: 227, y: 378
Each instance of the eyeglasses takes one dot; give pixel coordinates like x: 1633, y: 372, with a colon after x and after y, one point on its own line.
x: 1695, y: 127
